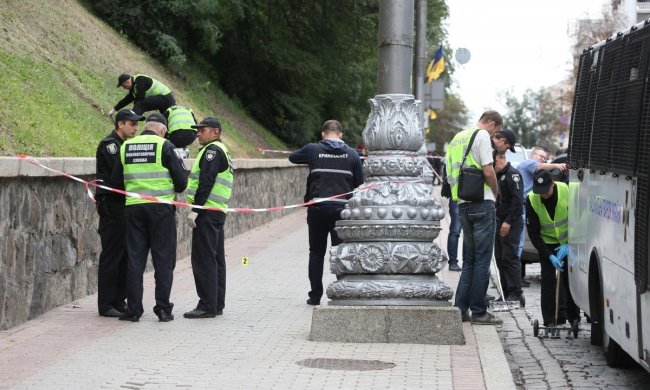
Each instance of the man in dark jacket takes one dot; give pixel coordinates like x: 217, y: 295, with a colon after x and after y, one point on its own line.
x: 509, y: 227
x: 111, y: 272
x: 210, y: 184
x: 334, y: 168
x: 145, y: 92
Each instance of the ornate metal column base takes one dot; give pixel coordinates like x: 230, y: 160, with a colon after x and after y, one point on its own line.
x: 388, y: 256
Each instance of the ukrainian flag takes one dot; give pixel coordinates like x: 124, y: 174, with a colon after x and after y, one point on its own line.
x: 436, y: 67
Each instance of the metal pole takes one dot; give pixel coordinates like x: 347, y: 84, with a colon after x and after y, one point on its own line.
x: 420, y: 47
x: 395, y: 46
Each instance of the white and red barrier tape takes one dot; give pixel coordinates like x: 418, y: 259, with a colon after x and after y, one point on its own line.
x: 264, y: 151
x: 94, y: 183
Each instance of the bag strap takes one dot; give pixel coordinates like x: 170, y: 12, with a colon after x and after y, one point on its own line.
x: 469, y: 148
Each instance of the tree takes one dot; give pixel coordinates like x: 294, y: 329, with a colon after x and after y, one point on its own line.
x: 291, y: 63
x: 538, y: 117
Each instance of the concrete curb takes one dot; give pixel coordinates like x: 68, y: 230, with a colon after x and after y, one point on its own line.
x: 496, y: 371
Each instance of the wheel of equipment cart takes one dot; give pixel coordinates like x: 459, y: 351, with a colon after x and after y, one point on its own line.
x: 536, y: 328
x: 575, y: 328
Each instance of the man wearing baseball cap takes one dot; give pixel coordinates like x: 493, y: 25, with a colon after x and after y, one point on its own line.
x: 111, y: 272
x: 145, y: 92
x: 504, y: 140
x: 210, y: 184
x: 149, y: 166
x: 547, y: 213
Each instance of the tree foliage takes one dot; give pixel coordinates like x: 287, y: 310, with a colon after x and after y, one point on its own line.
x: 291, y: 63
x: 537, y: 117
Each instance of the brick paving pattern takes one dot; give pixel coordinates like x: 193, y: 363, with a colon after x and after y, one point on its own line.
x: 256, y: 344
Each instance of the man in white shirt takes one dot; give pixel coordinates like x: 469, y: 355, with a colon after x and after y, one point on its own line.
x: 478, y: 218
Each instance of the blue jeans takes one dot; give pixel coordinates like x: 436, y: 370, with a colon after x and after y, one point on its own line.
x: 479, y: 223
x: 454, y: 232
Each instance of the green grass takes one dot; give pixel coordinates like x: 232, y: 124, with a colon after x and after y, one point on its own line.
x: 58, y: 77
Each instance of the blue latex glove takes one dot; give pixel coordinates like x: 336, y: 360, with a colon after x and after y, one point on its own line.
x: 562, y: 251
x: 556, y: 262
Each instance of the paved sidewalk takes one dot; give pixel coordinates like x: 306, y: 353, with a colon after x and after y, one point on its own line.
x: 256, y: 344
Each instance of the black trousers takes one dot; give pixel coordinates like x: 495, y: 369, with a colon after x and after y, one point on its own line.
x: 505, y: 254
x: 181, y: 138
x: 150, y: 226
x: 151, y: 103
x: 567, y: 307
x: 113, y: 261
x: 209, y: 261
x: 321, y: 220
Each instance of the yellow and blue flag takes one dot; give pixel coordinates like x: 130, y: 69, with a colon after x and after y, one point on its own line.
x: 436, y: 67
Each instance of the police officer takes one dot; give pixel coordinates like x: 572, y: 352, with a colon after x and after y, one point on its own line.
x: 334, y: 168
x: 210, y: 184
x: 111, y: 273
x: 145, y: 92
x: 180, y: 125
x: 149, y: 166
x: 509, y: 227
x: 547, y: 214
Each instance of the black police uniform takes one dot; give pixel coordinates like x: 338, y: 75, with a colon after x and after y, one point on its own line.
x: 152, y: 226
x: 208, y: 254
x: 111, y: 273
x: 567, y: 307
x: 333, y: 170
x: 509, y: 209
x: 142, y: 104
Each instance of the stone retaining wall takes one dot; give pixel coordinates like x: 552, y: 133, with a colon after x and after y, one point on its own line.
x: 49, y: 246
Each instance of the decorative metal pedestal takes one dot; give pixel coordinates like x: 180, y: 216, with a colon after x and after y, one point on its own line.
x: 388, y: 256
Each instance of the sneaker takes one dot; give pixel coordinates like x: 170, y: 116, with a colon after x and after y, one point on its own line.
x: 487, y: 319
x: 313, y: 302
x: 453, y: 266
x: 466, y: 317
x: 489, y: 297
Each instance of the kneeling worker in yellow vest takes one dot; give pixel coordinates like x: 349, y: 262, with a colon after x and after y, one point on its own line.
x: 210, y: 184
x: 180, y: 122
x: 145, y: 92
x: 149, y: 166
x: 547, y: 213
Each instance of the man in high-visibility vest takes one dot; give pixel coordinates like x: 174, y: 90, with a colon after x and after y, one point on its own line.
x: 478, y: 217
x: 210, y: 185
x: 148, y: 166
x: 180, y: 125
x: 145, y: 92
x: 547, y: 217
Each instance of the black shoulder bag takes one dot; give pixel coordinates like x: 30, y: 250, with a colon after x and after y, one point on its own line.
x: 470, y: 179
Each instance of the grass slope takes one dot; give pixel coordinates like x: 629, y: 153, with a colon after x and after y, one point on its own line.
x: 58, y: 70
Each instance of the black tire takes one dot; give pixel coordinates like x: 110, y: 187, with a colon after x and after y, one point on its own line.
x: 575, y: 328
x: 536, y: 328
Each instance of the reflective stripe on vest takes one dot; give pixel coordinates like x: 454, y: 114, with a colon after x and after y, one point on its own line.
x: 553, y: 231
x: 455, y: 152
x: 179, y: 118
x: 157, y: 88
x: 143, y: 170
x: 223, y: 184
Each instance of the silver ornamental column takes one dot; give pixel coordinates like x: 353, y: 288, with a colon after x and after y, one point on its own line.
x: 388, y: 255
